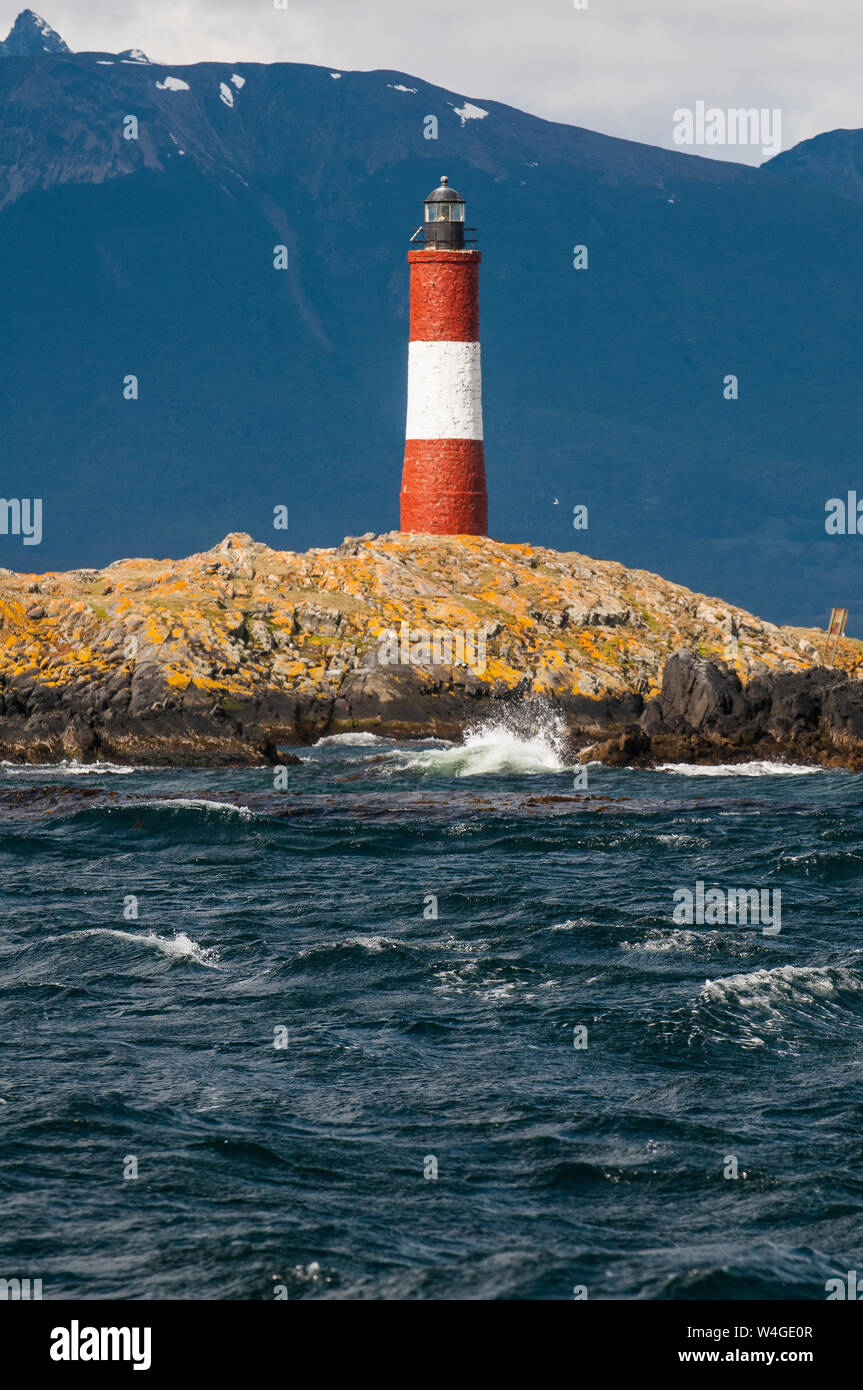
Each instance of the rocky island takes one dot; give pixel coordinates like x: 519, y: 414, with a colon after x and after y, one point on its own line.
x: 227, y: 656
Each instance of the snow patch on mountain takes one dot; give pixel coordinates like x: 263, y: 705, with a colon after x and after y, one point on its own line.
x: 469, y: 112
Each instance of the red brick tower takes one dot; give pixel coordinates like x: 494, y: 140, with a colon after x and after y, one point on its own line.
x: 443, y: 481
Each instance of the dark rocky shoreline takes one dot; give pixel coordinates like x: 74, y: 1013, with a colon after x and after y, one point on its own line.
x: 703, y: 714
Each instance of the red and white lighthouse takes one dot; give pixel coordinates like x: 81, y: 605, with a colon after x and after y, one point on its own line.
x: 443, y: 481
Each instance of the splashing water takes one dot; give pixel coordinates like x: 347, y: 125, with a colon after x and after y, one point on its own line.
x: 180, y: 946
x: 531, y: 740
x: 351, y: 740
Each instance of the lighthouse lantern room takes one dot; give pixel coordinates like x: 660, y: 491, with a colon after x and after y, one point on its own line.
x: 444, y: 224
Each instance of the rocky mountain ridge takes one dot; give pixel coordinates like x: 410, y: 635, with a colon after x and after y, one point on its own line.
x: 30, y: 37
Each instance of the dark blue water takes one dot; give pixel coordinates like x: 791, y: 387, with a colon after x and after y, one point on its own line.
x: 412, y: 1038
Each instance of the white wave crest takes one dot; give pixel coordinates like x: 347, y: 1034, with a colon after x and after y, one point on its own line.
x: 202, y: 804
x: 656, y: 940
x: 71, y: 768
x: 768, y: 1007
x: 767, y: 989
x: 179, y: 947
x: 754, y: 769
x: 357, y: 740
x: 495, y: 748
x: 368, y: 943
x: 371, y: 943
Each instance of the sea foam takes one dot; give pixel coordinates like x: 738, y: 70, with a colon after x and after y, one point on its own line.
x: 753, y: 769
x: 179, y: 947
x: 495, y: 748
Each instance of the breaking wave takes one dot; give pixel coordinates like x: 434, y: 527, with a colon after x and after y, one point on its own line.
x: 70, y: 768
x: 767, y: 989
x: 656, y: 940
x: 523, y: 743
x: 372, y: 943
x: 787, y: 1003
x: 178, y: 947
x: 191, y: 803
x: 357, y: 740
x: 754, y: 769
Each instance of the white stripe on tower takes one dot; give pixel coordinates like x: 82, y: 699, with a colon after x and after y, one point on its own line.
x: 444, y: 391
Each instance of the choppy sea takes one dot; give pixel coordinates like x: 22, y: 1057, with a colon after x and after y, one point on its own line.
x: 420, y: 1024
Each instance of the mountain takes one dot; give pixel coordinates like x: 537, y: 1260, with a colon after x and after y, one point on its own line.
x: 29, y: 37
x: 257, y: 388
x: 221, y: 657
x: 833, y: 161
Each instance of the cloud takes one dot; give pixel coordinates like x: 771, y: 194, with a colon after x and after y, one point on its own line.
x: 620, y: 66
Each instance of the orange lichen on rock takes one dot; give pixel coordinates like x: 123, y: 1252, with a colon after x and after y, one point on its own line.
x: 243, y: 627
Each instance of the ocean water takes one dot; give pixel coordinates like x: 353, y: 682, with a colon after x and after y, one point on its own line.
x: 417, y: 1043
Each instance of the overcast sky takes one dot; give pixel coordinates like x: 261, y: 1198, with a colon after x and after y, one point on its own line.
x: 619, y: 66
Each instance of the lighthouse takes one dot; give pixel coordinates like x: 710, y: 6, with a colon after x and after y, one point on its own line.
x: 443, y: 480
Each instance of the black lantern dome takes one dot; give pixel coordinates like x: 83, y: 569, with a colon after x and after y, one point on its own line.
x: 444, y: 220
